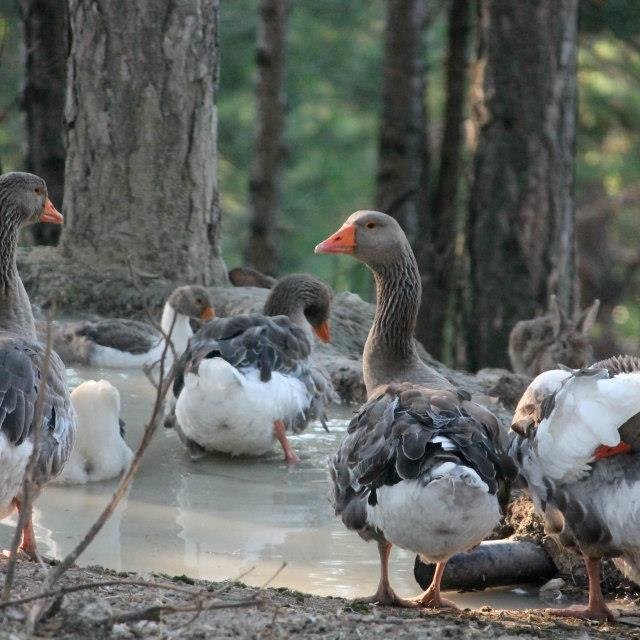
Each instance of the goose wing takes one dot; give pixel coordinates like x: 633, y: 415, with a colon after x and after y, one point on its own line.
x: 21, y: 366
x: 408, y: 432
x: 567, y: 419
x: 251, y: 341
x: 130, y: 336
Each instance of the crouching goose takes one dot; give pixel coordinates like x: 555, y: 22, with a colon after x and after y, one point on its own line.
x: 421, y: 465
x: 100, y: 451
x: 577, y: 444
x: 23, y: 200
x: 122, y: 343
x: 246, y: 380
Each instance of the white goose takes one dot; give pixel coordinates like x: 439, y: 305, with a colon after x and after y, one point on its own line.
x: 246, y: 380
x: 100, y: 451
x: 577, y: 444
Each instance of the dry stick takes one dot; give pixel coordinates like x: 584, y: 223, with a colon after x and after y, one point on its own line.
x: 154, y: 612
x: 28, y: 483
x: 56, y: 572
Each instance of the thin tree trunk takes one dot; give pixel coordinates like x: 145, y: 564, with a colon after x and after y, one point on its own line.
x: 141, y: 147
x: 402, y: 147
x: 439, y: 225
x: 521, y: 227
x: 45, y: 29
x: 266, y: 171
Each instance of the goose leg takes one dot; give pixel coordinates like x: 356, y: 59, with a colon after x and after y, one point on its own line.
x: 28, y: 548
x: 597, y: 608
x: 280, y: 432
x: 385, y: 595
x: 431, y: 598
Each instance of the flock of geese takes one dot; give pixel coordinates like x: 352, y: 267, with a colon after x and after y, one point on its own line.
x: 422, y: 466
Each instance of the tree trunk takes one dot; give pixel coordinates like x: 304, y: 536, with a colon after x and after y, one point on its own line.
x: 141, y: 145
x: 45, y: 29
x: 439, y: 225
x: 264, y: 184
x: 402, y: 146
x: 521, y: 227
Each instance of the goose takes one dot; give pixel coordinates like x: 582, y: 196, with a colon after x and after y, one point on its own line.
x: 247, y: 380
x: 123, y: 343
x: 100, y: 451
x: 23, y: 200
x: 421, y: 466
x: 576, y: 441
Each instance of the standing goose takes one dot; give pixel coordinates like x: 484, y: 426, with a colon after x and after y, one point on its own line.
x: 122, y: 343
x: 577, y: 444
x: 421, y: 465
x: 23, y: 200
x: 246, y: 380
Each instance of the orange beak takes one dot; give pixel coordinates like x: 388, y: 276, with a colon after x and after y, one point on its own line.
x: 342, y: 241
x: 323, y: 331
x: 51, y: 214
x: 208, y: 313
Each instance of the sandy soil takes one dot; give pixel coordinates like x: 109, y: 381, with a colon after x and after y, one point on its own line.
x: 270, y: 613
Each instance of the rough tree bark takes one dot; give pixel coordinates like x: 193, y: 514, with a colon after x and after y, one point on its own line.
x: 438, y: 225
x: 44, y: 24
x: 264, y: 183
x: 402, y: 146
x: 141, y: 145
x: 521, y: 223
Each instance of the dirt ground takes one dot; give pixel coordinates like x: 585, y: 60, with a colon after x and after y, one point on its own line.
x: 250, y: 613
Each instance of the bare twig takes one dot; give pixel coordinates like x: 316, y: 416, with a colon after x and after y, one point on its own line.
x: 56, y: 572
x: 274, y: 576
x: 154, y: 612
x: 121, y: 583
x: 29, y: 480
x: 150, y: 316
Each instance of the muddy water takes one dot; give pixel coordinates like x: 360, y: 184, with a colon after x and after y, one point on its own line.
x: 221, y: 517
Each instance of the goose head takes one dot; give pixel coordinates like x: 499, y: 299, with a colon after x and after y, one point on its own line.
x: 24, y: 200
x: 305, y: 299
x: 369, y: 236
x: 192, y: 301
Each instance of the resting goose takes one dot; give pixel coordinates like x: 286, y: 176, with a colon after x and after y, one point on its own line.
x: 100, y: 451
x: 245, y: 381
x: 421, y: 465
x: 23, y: 200
x: 577, y: 444
x: 122, y: 343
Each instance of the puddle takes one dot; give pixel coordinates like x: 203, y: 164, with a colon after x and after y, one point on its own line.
x: 220, y: 517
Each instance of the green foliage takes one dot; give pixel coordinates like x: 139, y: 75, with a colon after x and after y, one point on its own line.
x: 335, y: 49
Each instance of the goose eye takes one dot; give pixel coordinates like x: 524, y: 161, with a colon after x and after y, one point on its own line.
x: 370, y: 225
x: 38, y: 190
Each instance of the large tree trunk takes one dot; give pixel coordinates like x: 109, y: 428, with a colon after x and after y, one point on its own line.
x: 439, y: 225
x: 402, y: 147
x: 45, y: 29
x: 264, y: 184
x: 141, y: 146
x: 521, y: 236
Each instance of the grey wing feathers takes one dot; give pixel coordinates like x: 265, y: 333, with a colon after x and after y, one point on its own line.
x: 247, y: 341
x: 397, y: 435
x: 20, y: 375
x: 131, y: 336
x: 268, y: 344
